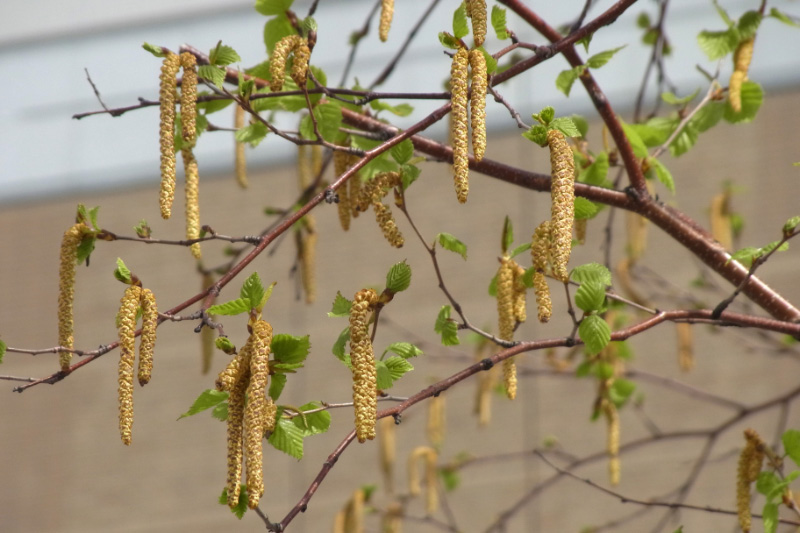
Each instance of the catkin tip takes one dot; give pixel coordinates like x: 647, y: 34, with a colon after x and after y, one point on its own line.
x: 387, y: 12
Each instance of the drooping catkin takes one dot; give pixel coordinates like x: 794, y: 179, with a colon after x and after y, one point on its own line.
x: 540, y: 246
x: 234, y: 434
x: 228, y: 378
x: 169, y: 70
x: 126, y: 328
x: 388, y: 451
x: 750, y: 462
x: 255, y: 411
x: 192, y: 199
x: 189, y: 99
x: 476, y: 9
x: 365, y: 399
x: 477, y: 101
x: 544, y: 305
x: 741, y: 64
x: 506, y: 321
x: 685, y: 346
x: 562, y: 207
x: 483, y: 393
x: 393, y: 518
x: 354, y: 517
x: 239, y: 161
x: 207, y: 334
x: 68, y: 263
x: 302, y: 54
x: 387, y: 12
x: 458, y: 125
x: 520, y: 313
x: 340, y: 165
x: 429, y: 456
x: 721, y: 228
x: 277, y: 63
x: 612, y: 443
x: 435, y: 428
x: 308, y: 254
x: 148, y: 342
x: 385, y: 219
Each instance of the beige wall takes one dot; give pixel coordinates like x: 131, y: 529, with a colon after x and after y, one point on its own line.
x: 65, y: 470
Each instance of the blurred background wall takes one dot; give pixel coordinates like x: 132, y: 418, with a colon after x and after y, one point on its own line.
x: 62, y: 462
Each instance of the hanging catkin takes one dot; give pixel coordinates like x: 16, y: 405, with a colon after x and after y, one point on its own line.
x: 239, y: 161
x: 562, y: 207
x: 741, y: 64
x: 68, y: 263
x: 189, y: 99
x: 458, y: 125
x: 477, y: 102
x: 126, y: 328
x: 365, y: 400
x: 476, y: 9
x: 255, y: 411
x: 277, y: 63
x: 169, y: 70
x: 387, y: 12
x: 506, y: 321
x: 192, y: 199
x: 148, y: 342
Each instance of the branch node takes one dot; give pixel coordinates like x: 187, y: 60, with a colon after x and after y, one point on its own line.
x: 486, y: 364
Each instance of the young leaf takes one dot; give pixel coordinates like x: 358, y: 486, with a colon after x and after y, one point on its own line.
x: 663, y: 175
x: 224, y: 344
x: 341, y: 341
x: 241, y: 505
x: 265, y: 297
x: 591, y: 272
x: 398, y: 366
x: 276, y: 385
x: 383, y: 376
x: 525, y: 246
x: 220, y: 411
x: 791, y: 443
x: 252, y: 289
x: 234, y: 307
x: 770, y: 517
x: 752, y: 98
x: 211, y: 73
x: 4, y: 346
x: 449, y: 242
x: 403, y: 349
x: 329, y: 120
x: 708, y: 116
x: 341, y: 306
x: 122, y: 273
x: 287, y: 438
x: 565, y: 126
x: 446, y: 327
x: 276, y: 29
x: 595, y: 333
x: 499, y: 22
x: 748, y: 24
x: 460, y: 27
x: 207, y: 399
x: 745, y: 256
x: 401, y: 110
x: 717, y: 44
x: 537, y: 134
x: 581, y: 124
x: 448, y: 41
x: 600, y: 59
x: 223, y: 55
x: 158, y: 52
x: 638, y: 146
x: 273, y: 7
x: 621, y: 390
x: 566, y: 79
x: 596, y: 173
x: 313, y: 423
x: 585, y: 209
x: 290, y: 349
x: 403, y: 152
x: 790, y: 225
x: 399, y: 277
x: 671, y: 99
x: 783, y: 17
x: 590, y: 296
x: 252, y: 134
x: 508, y: 235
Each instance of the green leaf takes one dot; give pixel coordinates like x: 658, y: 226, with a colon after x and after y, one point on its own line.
x: 85, y: 248
x: 601, y: 58
x: 460, y: 27
x: 723, y: 14
x: 591, y: 272
x: 671, y: 99
x: 507, y: 238
x: 764, y: 250
x: 499, y: 22
x: 638, y: 146
x: 566, y: 79
x: 770, y: 517
x: 220, y: 411
x: 684, y: 141
x: 790, y: 225
x: 708, y: 116
x: 252, y: 133
x: 409, y: 175
x: 581, y: 124
x: 401, y: 110
x: 596, y: 173
x: 122, y: 273
x: 329, y: 120
x: 265, y: 298
x: 752, y: 98
x: 717, y: 44
x: 565, y: 126
x: 537, y: 134
x: 290, y: 349
x: 448, y: 41
x: 491, y: 63
x: 339, y: 345
x: 450, y: 478
x: 383, y: 376
x: 656, y: 130
x: 493, y: 287
x: 398, y: 366
x: 402, y: 152
x: 446, y: 327
x: 287, y: 438
x: 153, y: 49
x: 224, y: 344
x: 545, y: 116
x: 252, y: 289
x: 663, y: 175
x: 584, y: 209
x: 223, y: 55
x: 403, y: 349
x: 783, y: 17
x: 748, y: 24
x: 276, y: 385
x: 399, y: 277
x: 791, y: 443
x: 234, y: 307
x: 207, y: 399
x: 241, y: 505
x: 309, y: 25
x: 519, y: 249
x: 341, y: 306
x: 745, y: 256
x: 621, y: 390
x: 211, y: 73
x: 273, y: 7
x: 313, y: 423
x: 590, y: 296
x: 595, y: 333
x: 276, y: 29
x: 449, y: 242
x: 4, y: 347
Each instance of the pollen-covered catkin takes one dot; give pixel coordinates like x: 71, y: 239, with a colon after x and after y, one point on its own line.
x: 308, y: 254
x: 612, y: 444
x: 477, y: 11
x: 458, y: 125
x: 388, y: 451
x: 477, y: 101
x: 562, y: 207
x: 239, y: 161
x: 189, y: 99
x: 383, y: 215
x: 721, y: 228
x: 520, y: 313
x: 340, y: 164
x: 126, y: 328
x: 543, y: 303
x: 387, y: 12
x: 270, y: 416
x: 741, y: 64
x: 228, y: 378
x: 365, y: 400
x: 207, y: 334
x: 148, y: 342
x: 354, y: 517
x: 506, y: 321
x: 66, y: 290
x: 192, y: 200
x: 436, y: 421
x: 169, y: 70
x: 255, y: 411
x: 235, y: 426
x: 277, y: 63
x: 685, y: 346
x: 302, y: 54
x: 540, y: 246
x: 750, y: 462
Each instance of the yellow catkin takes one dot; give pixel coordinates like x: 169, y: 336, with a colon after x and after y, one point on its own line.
x: 316, y: 159
x: 277, y: 63
x: 431, y: 488
x: 230, y: 376
x: 436, y: 421
x: 148, y: 342
x: 192, y: 200
x: 741, y: 64
x: 636, y: 227
x: 477, y: 101
x: 304, y: 173
x: 354, y: 518
x: 612, y: 442
x: 68, y: 263
x: 506, y: 321
x: 393, y: 519
x: 562, y: 207
x: 339, y: 521
x: 302, y: 54
x: 340, y: 165
x: 625, y: 281
x: 239, y: 160
x: 365, y: 400
x: 169, y: 70
x: 520, y: 313
x: 458, y: 125
x: 387, y: 12
x: 126, y: 328
x: 376, y: 189
x: 354, y: 186
x: 685, y: 346
x: 270, y: 416
x: 388, y: 451
x: 234, y: 434
x: 383, y: 215
x: 476, y: 10
x: 207, y: 334
x: 750, y: 462
x: 189, y: 99
x: 721, y: 228
x: 307, y: 258
x: 544, y: 305
x: 540, y: 246
x: 255, y: 411
x: 580, y: 230
x: 483, y: 396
